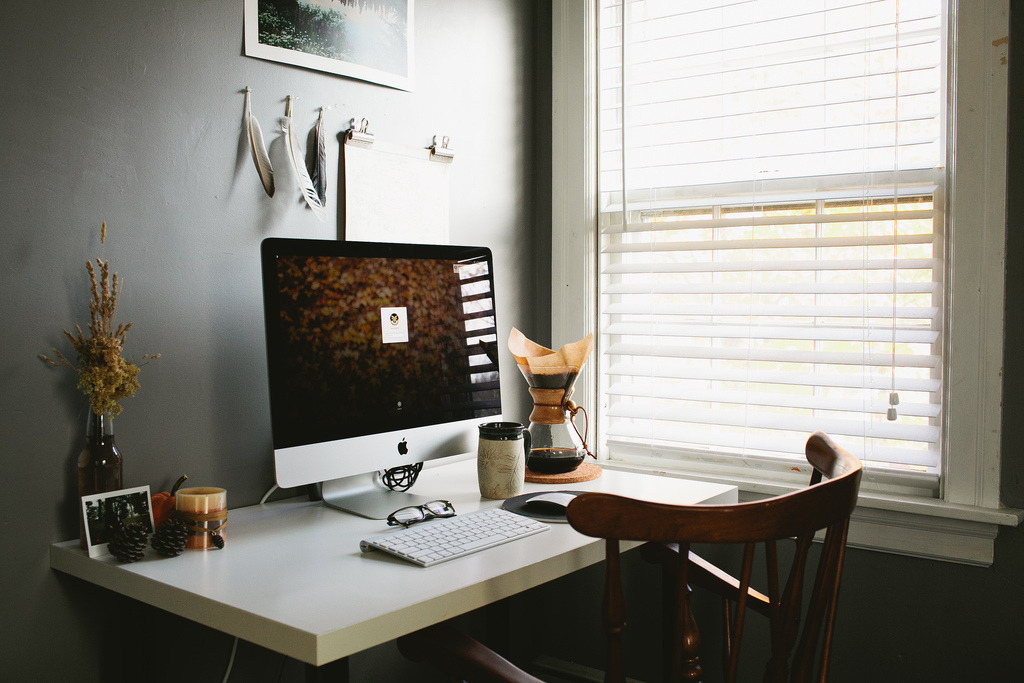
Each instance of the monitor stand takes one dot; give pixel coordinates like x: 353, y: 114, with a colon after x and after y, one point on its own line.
x: 365, y: 496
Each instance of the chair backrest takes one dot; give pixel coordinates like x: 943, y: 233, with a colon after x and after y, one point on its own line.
x: 825, y: 505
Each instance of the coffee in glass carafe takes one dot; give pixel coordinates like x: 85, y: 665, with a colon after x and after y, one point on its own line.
x: 557, y: 444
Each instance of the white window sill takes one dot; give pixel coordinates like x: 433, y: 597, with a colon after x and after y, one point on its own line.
x: 918, y: 527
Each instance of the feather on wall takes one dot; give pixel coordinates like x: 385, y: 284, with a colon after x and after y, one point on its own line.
x: 318, y: 165
x: 260, y: 157
x: 309, y: 192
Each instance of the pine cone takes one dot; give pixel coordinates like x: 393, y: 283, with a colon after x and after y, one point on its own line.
x: 129, y: 543
x: 217, y: 540
x: 170, y: 536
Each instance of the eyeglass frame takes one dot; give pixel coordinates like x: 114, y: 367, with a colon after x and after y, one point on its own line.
x: 425, y: 513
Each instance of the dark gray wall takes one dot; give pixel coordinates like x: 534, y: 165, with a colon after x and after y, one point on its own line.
x: 131, y: 112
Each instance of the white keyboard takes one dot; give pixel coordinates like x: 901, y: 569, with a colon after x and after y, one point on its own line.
x: 440, y: 540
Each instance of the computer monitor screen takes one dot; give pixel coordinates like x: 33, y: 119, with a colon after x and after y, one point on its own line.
x: 379, y: 355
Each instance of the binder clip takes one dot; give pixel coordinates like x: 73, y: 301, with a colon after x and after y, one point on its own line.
x: 439, y: 150
x: 359, y: 131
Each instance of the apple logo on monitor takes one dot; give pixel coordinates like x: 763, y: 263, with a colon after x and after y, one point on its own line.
x: 403, y: 448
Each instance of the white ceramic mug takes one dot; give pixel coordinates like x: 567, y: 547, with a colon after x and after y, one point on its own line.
x: 501, y: 459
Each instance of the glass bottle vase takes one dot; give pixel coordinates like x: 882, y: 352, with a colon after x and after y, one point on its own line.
x: 100, y: 466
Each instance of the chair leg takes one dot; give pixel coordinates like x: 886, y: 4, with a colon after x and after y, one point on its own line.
x: 690, y: 641
x: 683, y: 647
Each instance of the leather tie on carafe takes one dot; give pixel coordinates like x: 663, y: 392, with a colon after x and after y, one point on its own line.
x: 572, y: 408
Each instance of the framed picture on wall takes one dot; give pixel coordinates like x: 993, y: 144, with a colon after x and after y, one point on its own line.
x: 104, y: 513
x: 371, y: 40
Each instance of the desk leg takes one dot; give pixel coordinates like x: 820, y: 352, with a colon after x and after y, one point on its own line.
x: 497, y: 626
x: 332, y: 672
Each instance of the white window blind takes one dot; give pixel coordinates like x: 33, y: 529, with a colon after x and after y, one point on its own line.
x: 771, y: 212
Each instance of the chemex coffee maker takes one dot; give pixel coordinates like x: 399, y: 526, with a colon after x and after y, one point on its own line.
x: 556, y: 443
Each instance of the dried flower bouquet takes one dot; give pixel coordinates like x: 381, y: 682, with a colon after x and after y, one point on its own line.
x: 104, y: 375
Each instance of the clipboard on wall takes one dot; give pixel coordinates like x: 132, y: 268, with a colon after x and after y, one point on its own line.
x: 395, y: 193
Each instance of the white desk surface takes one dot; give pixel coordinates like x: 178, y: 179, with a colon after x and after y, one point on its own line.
x: 291, y: 577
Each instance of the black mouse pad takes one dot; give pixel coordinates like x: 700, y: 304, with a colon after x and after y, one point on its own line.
x: 517, y: 504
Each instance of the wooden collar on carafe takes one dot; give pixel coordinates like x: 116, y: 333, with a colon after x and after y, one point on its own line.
x: 549, y: 405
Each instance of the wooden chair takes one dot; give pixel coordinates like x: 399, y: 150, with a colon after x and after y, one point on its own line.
x: 669, y: 530
x: 824, y: 506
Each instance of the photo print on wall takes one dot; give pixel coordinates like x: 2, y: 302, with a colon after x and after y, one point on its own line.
x: 371, y: 40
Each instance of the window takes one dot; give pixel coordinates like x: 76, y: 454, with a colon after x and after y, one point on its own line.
x: 773, y: 268
x: 787, y: 233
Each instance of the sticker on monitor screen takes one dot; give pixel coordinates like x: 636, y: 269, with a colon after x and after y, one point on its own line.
x: 394, y: 324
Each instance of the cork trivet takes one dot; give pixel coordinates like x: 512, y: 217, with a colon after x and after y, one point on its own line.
x: 587, y: 471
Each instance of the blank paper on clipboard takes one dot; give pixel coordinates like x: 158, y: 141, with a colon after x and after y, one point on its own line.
x: 395, y: 194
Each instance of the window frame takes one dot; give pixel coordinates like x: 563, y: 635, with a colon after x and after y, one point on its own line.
x: 894, y: 515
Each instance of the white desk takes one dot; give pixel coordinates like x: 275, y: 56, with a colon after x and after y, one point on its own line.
x: 291, y: 577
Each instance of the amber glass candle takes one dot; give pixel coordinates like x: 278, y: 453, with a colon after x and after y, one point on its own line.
x: 205, y: 510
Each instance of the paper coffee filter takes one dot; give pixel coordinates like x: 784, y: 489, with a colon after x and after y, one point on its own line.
x: 523, y: 349
x: 542, y: 360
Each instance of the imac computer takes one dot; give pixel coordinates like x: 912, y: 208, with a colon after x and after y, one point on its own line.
x: 379, y: 355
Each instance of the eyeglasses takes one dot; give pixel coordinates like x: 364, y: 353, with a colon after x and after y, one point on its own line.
x: 417, y: 513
